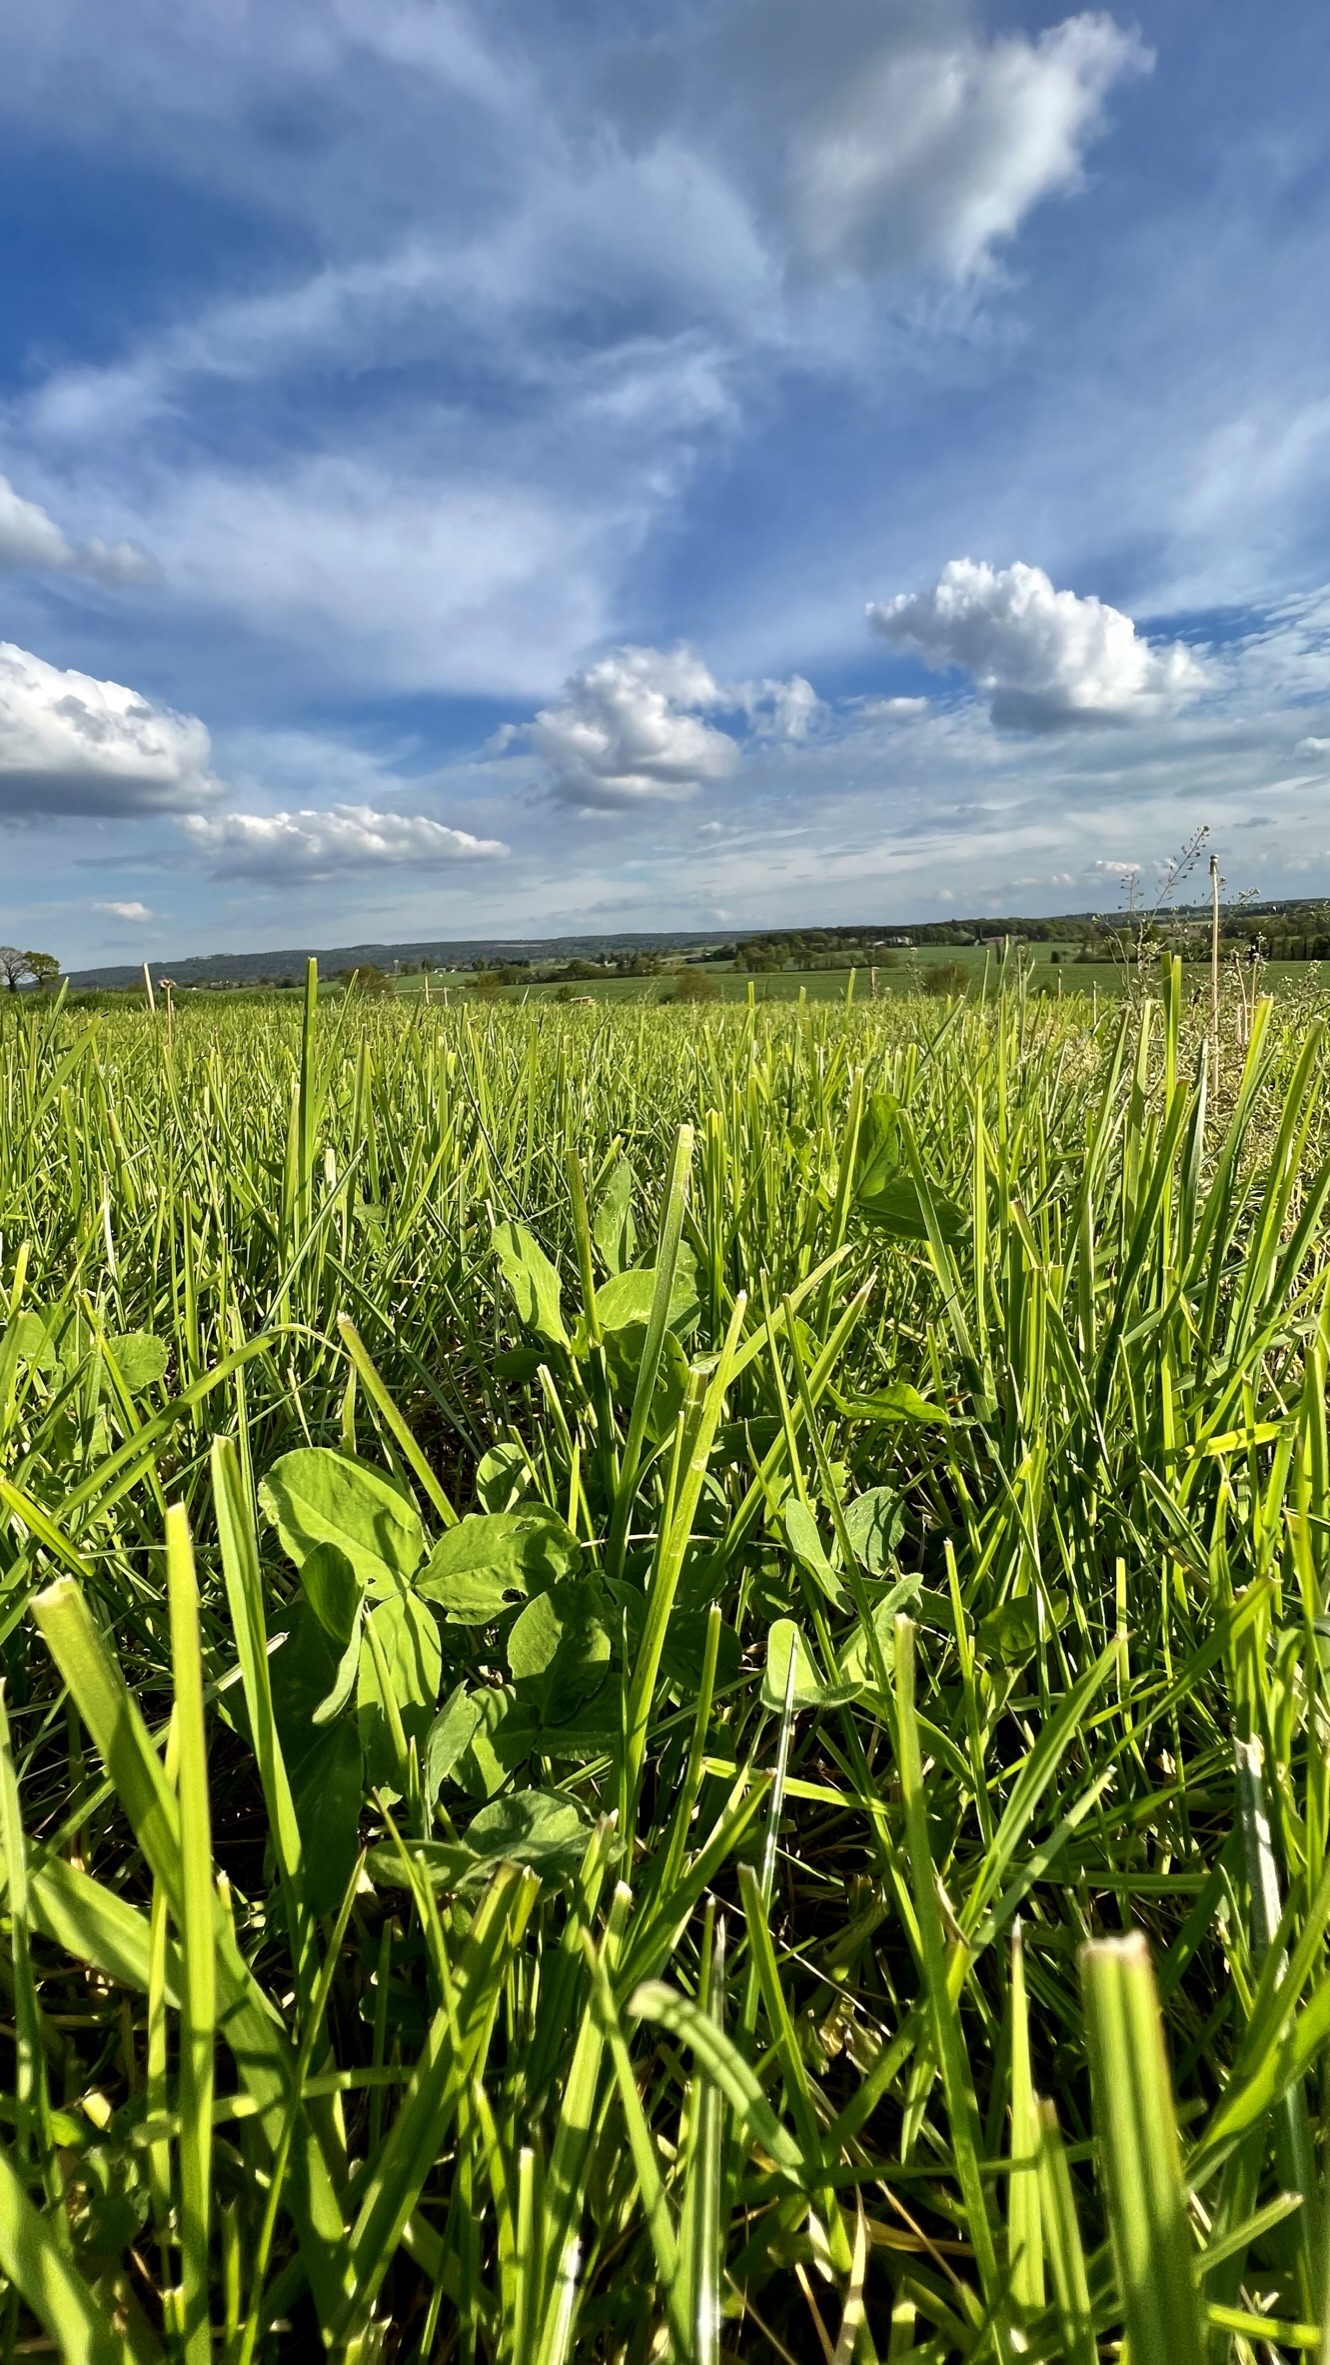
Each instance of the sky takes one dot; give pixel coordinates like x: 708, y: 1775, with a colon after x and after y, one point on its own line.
x: 551, y: 466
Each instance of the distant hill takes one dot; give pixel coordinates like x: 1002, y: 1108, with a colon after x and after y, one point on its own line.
x: 461, y: 953
x: 288, y: 965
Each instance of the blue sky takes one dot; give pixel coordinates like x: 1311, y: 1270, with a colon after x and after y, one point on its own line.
x: 556, y: 466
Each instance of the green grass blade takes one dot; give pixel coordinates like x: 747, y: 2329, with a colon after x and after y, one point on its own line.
x: 1138, y: 2145
x: 198, y: 1967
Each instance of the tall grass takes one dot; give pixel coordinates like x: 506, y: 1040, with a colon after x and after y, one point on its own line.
x: 664, y: 1684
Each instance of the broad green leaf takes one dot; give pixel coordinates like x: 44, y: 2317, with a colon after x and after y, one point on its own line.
x: 540, y: 1828
x: 878, y: 1156
x: 332, y: 1704
x: 894, y: 1206
x: 327, y: 1786
x: 318, y: 1496
x: 502, y: 1476
x: 322, y: 1759
x: 303, y: 1670
x: 140, y: 1358
x: 1011, y: 1633
x: 810, y: 1691
x: 614, y: 1231
x: 533, y: 1280
x: 505, y: 1729
x: 333, y: 1589
x: 624, y: 1303
x: 896, y: 1402
x: 559, y: 1649
x: 858, y: 1660
x: 406, y: 1633
x: 875, y: 1525
x: 32, y: 1341
x: 449, y: 1737
x: 624, y: 1351
x: 806, y: 1545
x: 492, y: 1560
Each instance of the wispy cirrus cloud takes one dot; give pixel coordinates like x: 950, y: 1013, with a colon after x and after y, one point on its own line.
x: 32, y: 542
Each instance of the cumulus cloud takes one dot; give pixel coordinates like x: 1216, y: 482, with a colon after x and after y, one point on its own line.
x: 134, y: 913
x: 32, y: 543
x: 631, y: 728
x: 1043, y: 658
x: 780, y: 710
x: 321, y: 845
x: 937, y: 150
x: 1312, y: 747
x: 71, y: 744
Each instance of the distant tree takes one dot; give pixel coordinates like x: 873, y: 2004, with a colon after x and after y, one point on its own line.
x: 368, y: 978
x: 488, y: 984
x: 15, y: 965
x: 696, y: 985
x: 946, y: 977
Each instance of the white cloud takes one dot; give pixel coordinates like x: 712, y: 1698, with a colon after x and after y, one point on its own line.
x: 891, y: 710
x: 32, y: 542
x: 629, y: 732
x: 1312, y: 747
x: 134, y: 913
x: 1043, y: 658
x: 406, y: 574
x: 936, y: 151
x: 70, y: 744
x: 780, y: 710
x: 312, y: 845
x: 630, y: 729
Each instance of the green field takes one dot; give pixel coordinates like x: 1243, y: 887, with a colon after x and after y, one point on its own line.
x: 980, y: 970
x: 666, y: 1679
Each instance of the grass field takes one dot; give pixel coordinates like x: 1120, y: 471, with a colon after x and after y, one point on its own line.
x: 979, y: 969
x: 665, y: 1682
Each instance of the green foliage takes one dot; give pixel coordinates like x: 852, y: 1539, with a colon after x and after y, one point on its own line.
x: 695, y: 985
x: 665, y: 1687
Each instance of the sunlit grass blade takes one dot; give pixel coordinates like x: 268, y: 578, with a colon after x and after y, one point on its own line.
x: 1138, y: 2145
x: 198, y: 1969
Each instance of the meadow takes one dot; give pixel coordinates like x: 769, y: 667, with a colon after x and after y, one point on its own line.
x: 665, y: 1681
x: 975, y: 969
